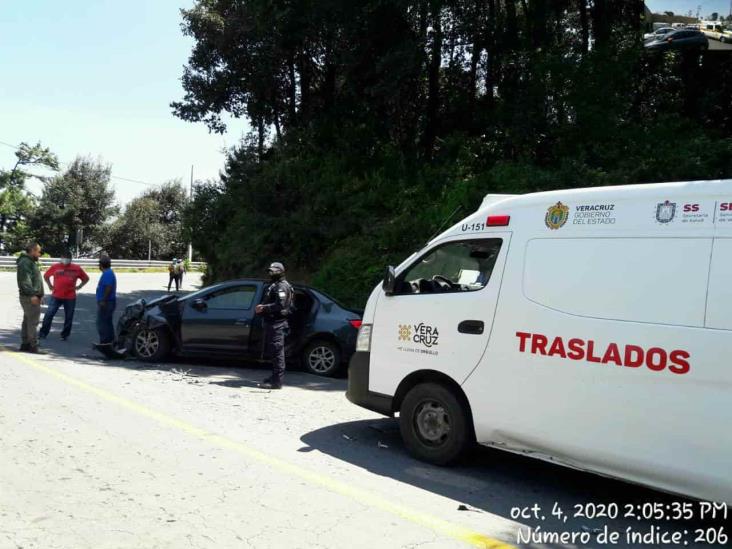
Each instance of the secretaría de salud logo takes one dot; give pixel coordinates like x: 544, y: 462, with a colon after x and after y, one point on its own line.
x: 665, y: 212
x: 556, y: 216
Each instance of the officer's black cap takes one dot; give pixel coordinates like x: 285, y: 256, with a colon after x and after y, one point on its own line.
x: 276, y: 268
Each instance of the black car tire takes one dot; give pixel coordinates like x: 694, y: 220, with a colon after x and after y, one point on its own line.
x: 152, y: 345
x: 434, y: 424
x: 322, y: 358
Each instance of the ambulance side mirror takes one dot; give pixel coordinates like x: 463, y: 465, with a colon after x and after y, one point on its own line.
x: 389, y: 280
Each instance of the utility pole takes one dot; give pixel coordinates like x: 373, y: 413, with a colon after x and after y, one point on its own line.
x: 190, y: 244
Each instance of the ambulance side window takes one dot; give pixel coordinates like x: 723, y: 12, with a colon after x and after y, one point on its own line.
x: 464, y: 266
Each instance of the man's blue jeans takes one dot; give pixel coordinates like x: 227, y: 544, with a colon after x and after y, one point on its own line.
x: 105, y: 326
x: 54, y: 304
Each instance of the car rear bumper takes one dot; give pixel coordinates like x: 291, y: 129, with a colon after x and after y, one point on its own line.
x: 358, y: 386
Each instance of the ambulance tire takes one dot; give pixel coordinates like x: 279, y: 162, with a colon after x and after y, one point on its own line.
x: 434, y: 424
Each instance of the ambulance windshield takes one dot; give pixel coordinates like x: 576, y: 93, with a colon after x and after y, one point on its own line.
x: 453, y: 267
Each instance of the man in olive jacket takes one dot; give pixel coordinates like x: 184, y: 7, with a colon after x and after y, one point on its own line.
x: 30, y: 287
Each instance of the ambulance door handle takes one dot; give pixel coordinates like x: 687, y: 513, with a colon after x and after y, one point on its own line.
x: 471, y: 327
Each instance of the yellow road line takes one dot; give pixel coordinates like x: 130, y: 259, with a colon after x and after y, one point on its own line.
x: 439, y: 525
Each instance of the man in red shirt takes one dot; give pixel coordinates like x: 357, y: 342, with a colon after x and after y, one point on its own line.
x: 64, y: 287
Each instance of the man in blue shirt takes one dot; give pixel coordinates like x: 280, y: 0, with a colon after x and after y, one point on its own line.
x: 106, y: 301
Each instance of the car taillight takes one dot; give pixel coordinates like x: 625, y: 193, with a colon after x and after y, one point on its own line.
x: 356, y: 323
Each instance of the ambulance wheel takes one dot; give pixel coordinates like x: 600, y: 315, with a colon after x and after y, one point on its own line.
x: 152, y: 345
x: 434, y: 424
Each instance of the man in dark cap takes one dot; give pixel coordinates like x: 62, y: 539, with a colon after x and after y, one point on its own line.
x: 275, y: 308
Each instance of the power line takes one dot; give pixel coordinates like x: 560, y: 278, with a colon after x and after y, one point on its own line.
x: 139, y: 182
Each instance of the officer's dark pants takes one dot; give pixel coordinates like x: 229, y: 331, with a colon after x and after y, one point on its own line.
x: 274, y: 344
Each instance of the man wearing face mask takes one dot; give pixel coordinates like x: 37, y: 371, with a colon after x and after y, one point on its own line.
x: 275, y: 308
x: 64, y: 279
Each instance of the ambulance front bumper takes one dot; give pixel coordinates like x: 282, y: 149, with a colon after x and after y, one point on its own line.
x: 358, y: 386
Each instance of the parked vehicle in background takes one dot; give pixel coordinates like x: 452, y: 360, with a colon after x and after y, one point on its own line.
x: 660, y: 33
x: 679, y: 40
x: 712, y: 29
x: 219, y: 321
x: 726, y: 36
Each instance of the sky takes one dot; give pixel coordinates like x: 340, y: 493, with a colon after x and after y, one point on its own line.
x: 96, y: 79
x: 682, y: 7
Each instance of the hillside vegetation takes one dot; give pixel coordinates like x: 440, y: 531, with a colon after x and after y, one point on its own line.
x: 373, y: 120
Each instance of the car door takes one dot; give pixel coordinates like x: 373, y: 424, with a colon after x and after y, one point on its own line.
x: 428, y: 324
x: 220, y: 321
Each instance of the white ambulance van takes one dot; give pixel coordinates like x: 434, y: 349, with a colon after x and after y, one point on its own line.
x: 588, y: 327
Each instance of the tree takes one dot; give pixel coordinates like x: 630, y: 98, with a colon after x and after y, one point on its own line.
x: 152, y: 221
x: 16, y: 206
x: 373, y: 120
x: 26, y: 156
x: 74, y: 207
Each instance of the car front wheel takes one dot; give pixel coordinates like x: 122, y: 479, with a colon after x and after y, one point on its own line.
x: 152, y: 344
x: 322, y: 358
x: 434, y: 424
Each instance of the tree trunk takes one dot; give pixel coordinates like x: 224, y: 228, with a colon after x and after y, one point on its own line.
x: 476, y: 52
x: 584, y: 26
x: 433, y: 81
x: 260, y: 136
x: 292, y: 88
x: 276, y: 121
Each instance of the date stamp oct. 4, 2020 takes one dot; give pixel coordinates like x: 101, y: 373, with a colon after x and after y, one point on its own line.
x: 682, y: 523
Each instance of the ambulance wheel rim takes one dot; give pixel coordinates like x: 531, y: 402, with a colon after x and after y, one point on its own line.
x: 432, y: 422
x: 321, y: 359
x: 147, y: 343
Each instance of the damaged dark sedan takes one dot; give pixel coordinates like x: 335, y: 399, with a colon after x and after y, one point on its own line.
x: 219, y: 321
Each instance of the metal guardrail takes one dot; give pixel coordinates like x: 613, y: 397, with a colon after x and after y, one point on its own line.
x: 9, y: 261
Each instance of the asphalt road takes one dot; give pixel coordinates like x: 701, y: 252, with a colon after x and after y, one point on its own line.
x: 100, y: 453
x: 717, y: 45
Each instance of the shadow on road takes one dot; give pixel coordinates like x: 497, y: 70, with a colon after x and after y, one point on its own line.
x: 490, y: 480
x: 78, y: 348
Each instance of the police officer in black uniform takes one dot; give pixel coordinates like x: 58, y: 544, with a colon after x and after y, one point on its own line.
x: 275, y: 308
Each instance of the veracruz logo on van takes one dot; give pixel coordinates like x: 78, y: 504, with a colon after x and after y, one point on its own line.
x: 594, y: 214
x: 556, y: 216
x: 424, y: 335
x: 630, y: 356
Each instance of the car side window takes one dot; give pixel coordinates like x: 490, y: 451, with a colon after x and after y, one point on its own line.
x: 238, y: 297
x: 464, y: 266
